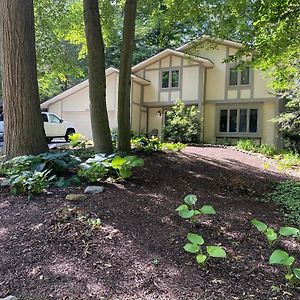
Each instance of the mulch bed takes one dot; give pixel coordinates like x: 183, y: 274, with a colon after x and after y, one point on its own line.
x: 49, y: 251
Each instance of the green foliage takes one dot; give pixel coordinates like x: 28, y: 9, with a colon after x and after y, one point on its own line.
x: 78, y: 141
x: 287, y: 194
x: 188, y: 210
x: 148, y: 145
x: 246, y: 145
x: 143, y: 144
x: 182, y: 124
x: 57, y: 162
x: 271, y: 235
x: 194, y: 247
x: 101, y: 166
x: 29, y: 182
x: 280, y: 257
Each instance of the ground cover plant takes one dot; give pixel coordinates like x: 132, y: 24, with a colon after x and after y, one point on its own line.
x: 286, y: 159
x: 287, y: 194
x: 189, y: 211
x: 127, y: 242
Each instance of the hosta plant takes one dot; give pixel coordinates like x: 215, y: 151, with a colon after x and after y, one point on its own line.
x: 271, y: 235
x: 282, y: 258
x: 189, y: 211
x: 196, y: 246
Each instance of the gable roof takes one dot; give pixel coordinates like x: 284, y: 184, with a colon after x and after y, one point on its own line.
x: 206, y: 62
x: 85, y: 84
x: 204, y: 38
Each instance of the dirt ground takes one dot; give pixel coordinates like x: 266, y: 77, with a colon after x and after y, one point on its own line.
x: 48, y: 251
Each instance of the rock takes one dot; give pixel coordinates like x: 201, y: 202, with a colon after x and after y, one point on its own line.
x: 76, y: 197
x: 94, y: 189
x: 9, y: 298
x: 4, y: 183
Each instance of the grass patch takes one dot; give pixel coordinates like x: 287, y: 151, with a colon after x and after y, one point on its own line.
x: 287, y: 194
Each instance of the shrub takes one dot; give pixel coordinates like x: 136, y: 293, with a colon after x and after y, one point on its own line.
x: 266, y: 150
x: 29, y: 183
x: 100, y: 166
x: 246, y: 145
x: 287, y: 194
x: 183, y: 124
x: 78, y: 140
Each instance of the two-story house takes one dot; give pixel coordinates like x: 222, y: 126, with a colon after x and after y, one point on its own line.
x: 232, y: 104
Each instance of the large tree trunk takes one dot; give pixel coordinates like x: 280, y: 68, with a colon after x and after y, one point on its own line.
x: 125, y: 76
x: 24, y: 132
x: 97, y: 78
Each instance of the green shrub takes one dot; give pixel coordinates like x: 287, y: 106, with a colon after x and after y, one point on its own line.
x: 287, y: 194
x: 101, y: 166
x: 266, y: 150
x: 246, y: 145
x: 183, y: 124
x: 29, y: 183
x: 79, y: 141
x: 143, y: 144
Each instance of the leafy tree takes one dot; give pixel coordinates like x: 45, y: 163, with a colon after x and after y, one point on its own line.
x: 182, y: 124
x: 97, y: 78
x: 24, y: 131
x: 125, y: 76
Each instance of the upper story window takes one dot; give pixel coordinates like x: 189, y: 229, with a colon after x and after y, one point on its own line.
x: 239, y: 120
x: 170, y: 79
x: 241, y: 77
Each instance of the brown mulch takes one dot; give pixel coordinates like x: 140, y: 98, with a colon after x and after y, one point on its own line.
x: 49, y: 251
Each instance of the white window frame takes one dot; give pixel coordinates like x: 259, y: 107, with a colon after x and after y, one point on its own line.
x: 247, y: 133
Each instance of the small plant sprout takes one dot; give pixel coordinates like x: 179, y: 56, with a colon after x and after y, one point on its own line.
x: 282, y: 258
x: 188, y: 210
x: 195, y: 247
x: 271, y: 235
x: 95, y: 223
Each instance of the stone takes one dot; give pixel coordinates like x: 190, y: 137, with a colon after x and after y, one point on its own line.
x: 94, y: 189
x: 76, y: 197
x: 9, y: 298
x: 4, y: 183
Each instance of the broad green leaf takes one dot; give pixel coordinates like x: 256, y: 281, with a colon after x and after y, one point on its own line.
x: 125, y: 173
x: 271, y: 234
x: 190, y: 199
x: 182, y: 207
x: 207, y: 210
x: 260, y: 226
x: 296, y: 272
x: 191, y: 248
x: 216, y: 251
x: 278, y: 257
x: 288, y: 231
x: 197, y: 212
x: 195, y: 239
x: 186, y: 214
x: 201, y: 258
x: 289, y: 261
x: 117, y: 162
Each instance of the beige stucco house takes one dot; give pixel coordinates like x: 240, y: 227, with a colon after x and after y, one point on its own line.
x: 232, y: 104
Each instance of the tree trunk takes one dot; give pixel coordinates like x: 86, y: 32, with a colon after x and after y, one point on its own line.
x: 24, y: 132
x: 125, y: 76
x: 97, y: 78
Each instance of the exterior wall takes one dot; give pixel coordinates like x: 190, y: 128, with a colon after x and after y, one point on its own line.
x: 155, y: 120
x: 190, y: 83
x: 267, y: 133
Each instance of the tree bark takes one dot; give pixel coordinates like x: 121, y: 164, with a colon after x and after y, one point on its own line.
x: 24, y: 131
x: 97, y: 79
x: 125, y: 76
